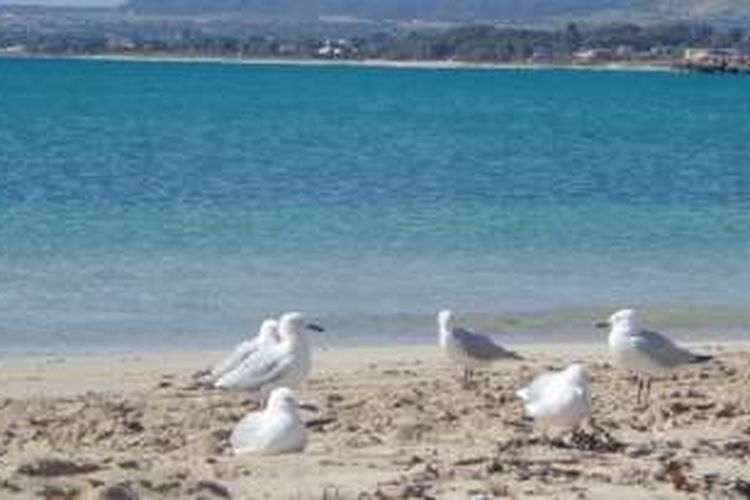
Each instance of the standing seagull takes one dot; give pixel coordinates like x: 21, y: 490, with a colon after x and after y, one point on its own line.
x: 277, y: 429
x: 559, y: 399
x: 285, y: 363
x: 645, y: 352
x: 468, y: 349
x: 267, y: 334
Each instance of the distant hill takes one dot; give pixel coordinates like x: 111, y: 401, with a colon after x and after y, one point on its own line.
x: 522, y: 11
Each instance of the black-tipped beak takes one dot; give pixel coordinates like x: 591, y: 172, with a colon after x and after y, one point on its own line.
x: 315, y: 328
x: 601, y: 324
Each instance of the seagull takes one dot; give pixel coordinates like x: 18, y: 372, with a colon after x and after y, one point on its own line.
x: 277, y: 429
x: 468, y: 349
x: 645, y: 352
x: 285, y: 363
x: 559, y: 399
x: 268, y: 334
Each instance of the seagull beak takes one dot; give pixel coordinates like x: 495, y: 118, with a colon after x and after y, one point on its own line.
x: 602, y: 324
x: 315, y: 328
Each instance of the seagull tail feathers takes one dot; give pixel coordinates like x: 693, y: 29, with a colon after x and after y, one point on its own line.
x: 243, y: 450
x: 222, y: 383
x: 523, y: 394
x: 701, y: 358
x: 515, y: 355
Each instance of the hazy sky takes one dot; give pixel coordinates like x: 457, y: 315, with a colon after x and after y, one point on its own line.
x: 95, y: 3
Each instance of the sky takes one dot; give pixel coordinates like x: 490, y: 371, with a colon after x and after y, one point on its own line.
x: 66, y: 3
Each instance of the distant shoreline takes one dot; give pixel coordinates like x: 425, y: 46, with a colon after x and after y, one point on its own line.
x: 660, y: 66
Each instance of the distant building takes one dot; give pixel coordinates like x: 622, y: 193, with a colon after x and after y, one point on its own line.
x: 118, y: 43
x: 592, y: 55
x: 663, y: 51
x: 712, y: 56
x: 722, y: 60
x: 332, y: 49
x: 329, y: 50
x: 288, y: 48
x: 13, y: 49
x: 624, y: 51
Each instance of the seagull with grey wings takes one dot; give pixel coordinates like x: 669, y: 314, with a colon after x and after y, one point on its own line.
x: 284, y: 363
x: 645, y: 352
x: 276, y: 429
x: 267, y: 335
x: 468, y: 349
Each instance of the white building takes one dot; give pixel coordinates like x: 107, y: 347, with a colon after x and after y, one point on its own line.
x: 711, y: 55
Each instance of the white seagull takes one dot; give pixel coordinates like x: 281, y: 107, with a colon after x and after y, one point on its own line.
x: 559, y: 399
x: 267, y: 334
x: 277, y: 429
x: 285, y: 363
x: 468, y: 349
x: 645, y: 352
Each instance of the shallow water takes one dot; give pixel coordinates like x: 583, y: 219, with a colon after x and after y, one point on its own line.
x: 164, y: 205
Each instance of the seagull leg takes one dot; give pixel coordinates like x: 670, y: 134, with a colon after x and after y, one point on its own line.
x: 575, y: 435
x: 545, y: 439
x: 467, y: 376
x: 639, y: 381
x: 648, y: 389
x: 263, y: 400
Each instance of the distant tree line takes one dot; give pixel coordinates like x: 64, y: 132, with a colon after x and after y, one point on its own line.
x: 474, y: 43
x: 484, y: 43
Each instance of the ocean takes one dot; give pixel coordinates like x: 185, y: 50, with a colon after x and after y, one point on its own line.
x: 164, y: 205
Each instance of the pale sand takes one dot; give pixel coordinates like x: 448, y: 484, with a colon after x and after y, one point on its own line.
x: 386, y: 423
x: 651, y: 66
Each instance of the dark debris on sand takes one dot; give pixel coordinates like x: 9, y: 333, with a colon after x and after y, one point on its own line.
x: 171, y: 442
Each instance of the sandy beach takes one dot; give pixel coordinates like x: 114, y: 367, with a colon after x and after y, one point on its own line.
x: 451, y: 64
x: 385, y: 423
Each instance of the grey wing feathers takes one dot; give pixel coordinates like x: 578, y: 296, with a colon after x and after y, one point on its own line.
x: 255, y: 372
x: 482, y: 347
x: 662, y: 350
x: 235, y: 359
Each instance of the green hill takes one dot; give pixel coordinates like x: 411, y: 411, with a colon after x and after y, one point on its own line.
x: 520, y: 11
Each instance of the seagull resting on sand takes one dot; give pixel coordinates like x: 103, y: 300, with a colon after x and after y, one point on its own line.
x: 267, y: 335
x: 559, y: 399
x: 275, y: 430
x: 645, y: 352
x: 285, y: 363
x: 468, y: 349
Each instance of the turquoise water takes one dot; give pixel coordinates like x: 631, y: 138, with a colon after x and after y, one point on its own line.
x: 167, y: 205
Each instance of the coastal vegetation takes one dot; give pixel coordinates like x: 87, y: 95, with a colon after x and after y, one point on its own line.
x: 35, y: 32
